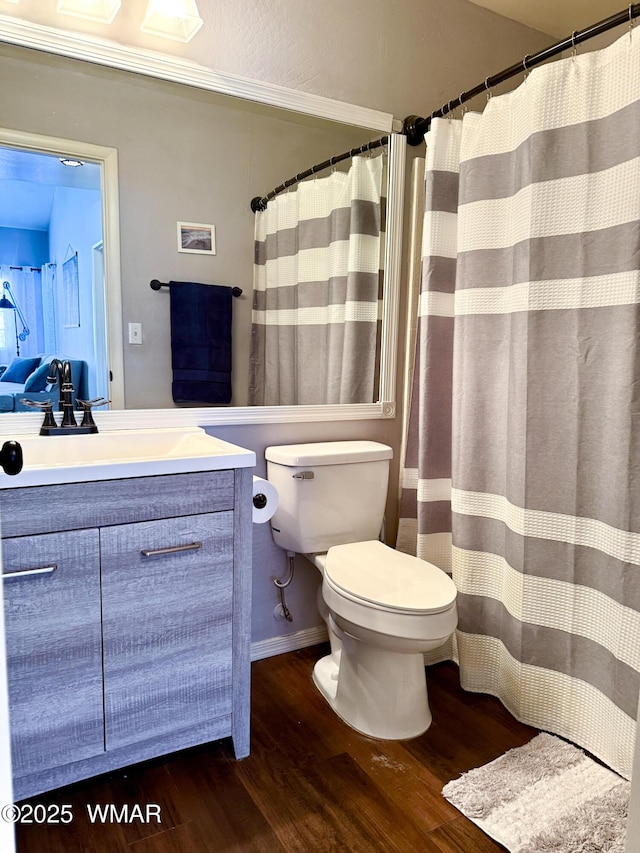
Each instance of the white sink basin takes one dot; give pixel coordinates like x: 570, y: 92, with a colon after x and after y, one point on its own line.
x: 122, y: 453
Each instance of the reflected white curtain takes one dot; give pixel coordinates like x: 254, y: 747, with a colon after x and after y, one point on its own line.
x: 317, y: 280
x: 522, y: 474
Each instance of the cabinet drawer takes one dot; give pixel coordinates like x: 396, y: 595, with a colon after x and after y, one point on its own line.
x: 167, y: 620
x: 54, y: 649
x: 73, y: 506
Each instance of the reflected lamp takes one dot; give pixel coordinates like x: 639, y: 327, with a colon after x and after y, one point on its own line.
x: 9, y: 303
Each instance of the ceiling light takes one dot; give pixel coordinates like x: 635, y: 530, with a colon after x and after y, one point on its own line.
x: 94, y: 10
x: 173, y: 19
x: 70, y: 161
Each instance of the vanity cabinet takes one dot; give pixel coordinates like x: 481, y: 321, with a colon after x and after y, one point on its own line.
x: 54, y: 648
x: 166, y: 622
x: 127, y: 607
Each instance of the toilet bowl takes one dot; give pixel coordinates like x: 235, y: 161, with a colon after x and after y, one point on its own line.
x: 383, y: 608
x: 384, y: 619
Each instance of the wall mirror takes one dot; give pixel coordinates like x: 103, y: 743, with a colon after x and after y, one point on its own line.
x: 178, y: 143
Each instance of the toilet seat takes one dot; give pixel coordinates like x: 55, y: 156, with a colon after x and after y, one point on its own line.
x: 371, y: 573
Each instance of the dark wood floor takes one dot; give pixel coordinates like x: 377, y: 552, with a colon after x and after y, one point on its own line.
x: 311, y: 784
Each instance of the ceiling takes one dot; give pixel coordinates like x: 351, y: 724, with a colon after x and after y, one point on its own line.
x: 28, y: 182
x: 559, y: 18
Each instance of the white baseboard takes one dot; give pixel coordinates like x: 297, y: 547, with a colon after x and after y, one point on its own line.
x: 288, y: 643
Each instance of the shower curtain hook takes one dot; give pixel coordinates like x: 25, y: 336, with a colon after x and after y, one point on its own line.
x: 631, y: 22
x: 488, y: 88
x: 524, y: 65
x: 574, y: 51
x: 463, y: 109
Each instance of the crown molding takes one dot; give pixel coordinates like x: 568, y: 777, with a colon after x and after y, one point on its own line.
x: 91, y: 48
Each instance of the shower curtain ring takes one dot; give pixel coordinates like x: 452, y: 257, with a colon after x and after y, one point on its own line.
x: 574, y: 51
x: 524, y: 65
x: 631, y: 20
x: 488, y: 88
x: 463, y: 109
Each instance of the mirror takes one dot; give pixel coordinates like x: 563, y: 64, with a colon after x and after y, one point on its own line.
x: 184, y: 155
x: 52, y: 269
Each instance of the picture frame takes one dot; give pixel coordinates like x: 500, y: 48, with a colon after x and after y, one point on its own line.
x: 196, y: 238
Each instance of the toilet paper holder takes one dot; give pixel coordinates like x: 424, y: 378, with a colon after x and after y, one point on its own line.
x: 260, y: 500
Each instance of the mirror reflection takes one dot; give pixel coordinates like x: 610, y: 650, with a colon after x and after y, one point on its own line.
x: 51, y: 270
x: 317, y: 288
x: 195, y: 158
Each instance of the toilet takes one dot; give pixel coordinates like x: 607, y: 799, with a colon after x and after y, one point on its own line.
x: 383, y: 608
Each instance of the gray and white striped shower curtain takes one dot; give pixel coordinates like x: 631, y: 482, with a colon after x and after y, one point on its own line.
x: 522, y: 472
x: 316, y: 293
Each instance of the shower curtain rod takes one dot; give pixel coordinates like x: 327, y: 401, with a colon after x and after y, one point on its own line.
x: 259, y: 203
x: 415, y: 127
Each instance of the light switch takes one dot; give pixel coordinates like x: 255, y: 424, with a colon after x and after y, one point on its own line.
x: 135, y: 333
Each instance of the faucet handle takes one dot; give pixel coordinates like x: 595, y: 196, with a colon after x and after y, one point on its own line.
x: 49, y: 421
x: 97, y: 401
x: 87, y: 417
x: 46, y: 407
x: 37, y: 404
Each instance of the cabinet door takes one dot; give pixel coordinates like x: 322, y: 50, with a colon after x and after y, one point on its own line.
x: 54, y: 649
x: 166, y: 625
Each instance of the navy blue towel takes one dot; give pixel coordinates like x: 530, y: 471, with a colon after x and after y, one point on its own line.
x: 200, y: 342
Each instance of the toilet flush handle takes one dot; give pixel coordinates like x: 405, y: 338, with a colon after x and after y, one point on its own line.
x: 303, y: 475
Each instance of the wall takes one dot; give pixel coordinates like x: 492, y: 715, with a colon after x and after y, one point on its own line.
x: 75, y: 226
x: 23, y: 247
x: 404, y: 57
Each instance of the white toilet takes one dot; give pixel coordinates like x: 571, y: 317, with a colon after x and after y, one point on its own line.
x: 383, y: 608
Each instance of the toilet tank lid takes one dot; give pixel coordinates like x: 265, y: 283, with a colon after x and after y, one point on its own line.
x: 327, y: 453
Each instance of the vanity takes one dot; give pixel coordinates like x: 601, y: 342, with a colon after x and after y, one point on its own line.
x: 127, y: 600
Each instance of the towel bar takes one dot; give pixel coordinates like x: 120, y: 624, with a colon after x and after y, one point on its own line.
x: 154, y: 284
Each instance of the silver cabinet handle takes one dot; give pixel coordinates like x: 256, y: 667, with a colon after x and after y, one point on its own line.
x: 174, y: 549
x: 23, y: 573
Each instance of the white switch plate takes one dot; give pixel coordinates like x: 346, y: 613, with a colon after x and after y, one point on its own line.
x: 135, y: 333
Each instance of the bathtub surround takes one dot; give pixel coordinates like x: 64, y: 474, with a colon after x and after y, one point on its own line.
x: 524, y: 482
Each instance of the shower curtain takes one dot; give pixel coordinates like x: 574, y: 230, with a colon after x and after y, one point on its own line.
x: 522, y: 471
x: 317, y: 278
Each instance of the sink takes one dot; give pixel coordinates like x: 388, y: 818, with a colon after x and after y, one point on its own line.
x: 122, y: 453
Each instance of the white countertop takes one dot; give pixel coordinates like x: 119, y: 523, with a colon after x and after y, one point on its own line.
x: 118, y: 454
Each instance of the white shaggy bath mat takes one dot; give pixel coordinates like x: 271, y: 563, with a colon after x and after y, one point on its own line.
x: 545, y: 797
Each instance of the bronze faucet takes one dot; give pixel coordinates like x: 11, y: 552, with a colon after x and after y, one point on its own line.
x: 60, y: 371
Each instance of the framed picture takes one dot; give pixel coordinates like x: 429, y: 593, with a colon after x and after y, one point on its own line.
x: 196, y: 238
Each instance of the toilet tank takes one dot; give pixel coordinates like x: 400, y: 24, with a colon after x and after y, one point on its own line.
x: 329, y: 493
